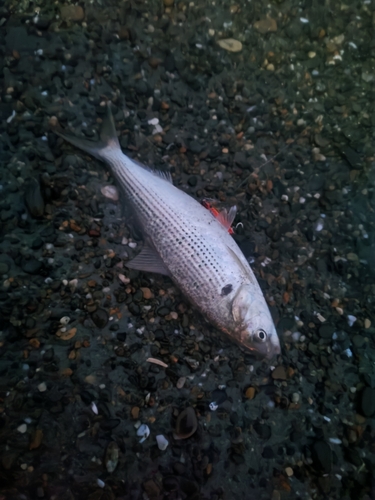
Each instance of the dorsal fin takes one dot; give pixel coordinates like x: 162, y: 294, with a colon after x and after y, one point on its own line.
x: 226, y: 217
x: 164, y: 174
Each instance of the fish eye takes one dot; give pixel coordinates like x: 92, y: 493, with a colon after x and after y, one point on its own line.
x: 261, y: 335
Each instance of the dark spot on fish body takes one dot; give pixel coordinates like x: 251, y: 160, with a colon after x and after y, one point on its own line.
x: 226, y: 290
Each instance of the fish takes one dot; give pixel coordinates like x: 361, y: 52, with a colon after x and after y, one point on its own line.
x: 189, y: 244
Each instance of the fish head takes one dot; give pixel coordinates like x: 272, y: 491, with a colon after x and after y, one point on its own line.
x: 254, y: 327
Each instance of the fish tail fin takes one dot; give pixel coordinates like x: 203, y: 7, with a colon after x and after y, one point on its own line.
x: 108, y: 138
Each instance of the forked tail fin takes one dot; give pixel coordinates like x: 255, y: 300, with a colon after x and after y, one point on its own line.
x: 108, y: 138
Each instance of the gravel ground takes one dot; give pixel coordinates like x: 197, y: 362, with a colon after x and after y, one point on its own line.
x: 84, y: 412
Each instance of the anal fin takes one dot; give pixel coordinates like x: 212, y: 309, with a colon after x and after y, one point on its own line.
x: 148, y: 260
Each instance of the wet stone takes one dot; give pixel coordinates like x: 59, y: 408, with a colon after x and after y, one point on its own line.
x: 322, y: 456
x: 151, y: 488
x: 263, y: 430
x: 4, y: 268
x: 111, y: 456
x: 186, y: 423
x: 268, y: 452
x: 192, y: 180
x: 72, y: 13
x: 170, y: 483
x: 163, y: 311
x: 279, y: 373
x: 37, y: 243
x: 34, y: 199
x: 32, y: 266
x: 237, y: 459
x: 121, y: 336
x: 100, y: 318
x: 326, y: 331
x: 218, y: 396
x: 358, y: 341
x: 134, y: 309
x: 109, y: 424
x: 368, y: 402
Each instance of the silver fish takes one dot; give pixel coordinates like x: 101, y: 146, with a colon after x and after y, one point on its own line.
x: 186, y: 242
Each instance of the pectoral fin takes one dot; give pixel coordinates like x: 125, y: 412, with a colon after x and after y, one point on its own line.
x: 226, y: 218
x: 148, y: 260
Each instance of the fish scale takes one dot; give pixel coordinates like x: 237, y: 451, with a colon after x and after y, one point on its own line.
x: 185, y: 241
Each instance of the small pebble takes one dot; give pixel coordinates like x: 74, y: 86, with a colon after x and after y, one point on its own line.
x: 250, y: 392
x: 279, y: 373
x: 64, y: 320
x: 110, y: 192
x: 351, y: 320
x: 230, y: 44
x: 42, y: 387
x: 181, y: 382
x: 289, y: 471
x: 368, y: 402
x: 111, y: 456
x: 295, y: 397
x: 143, y: 432
x: 186, y: 424
x: 162, y: 442
x: 22, y: 428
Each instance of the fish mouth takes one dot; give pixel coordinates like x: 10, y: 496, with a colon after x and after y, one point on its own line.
x: 267, y: 350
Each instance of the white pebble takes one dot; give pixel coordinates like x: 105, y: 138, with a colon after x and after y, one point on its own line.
x: 64, y: 320
x: 295, y: 397
x: 143, y: 432
x: 94, y: 408
x: 42, y: 387
x: 22, y: 428
x: 100, y: 483
x: 213, y: 406
x: 335, y: 440
x: 110, y: 192
x: 73, y: 284
x: 124, y: 279
x: 133, y: 244
x: 153, y: 121
x: 351, y: 320
x: 10, y: 118
x: 162, y: 442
